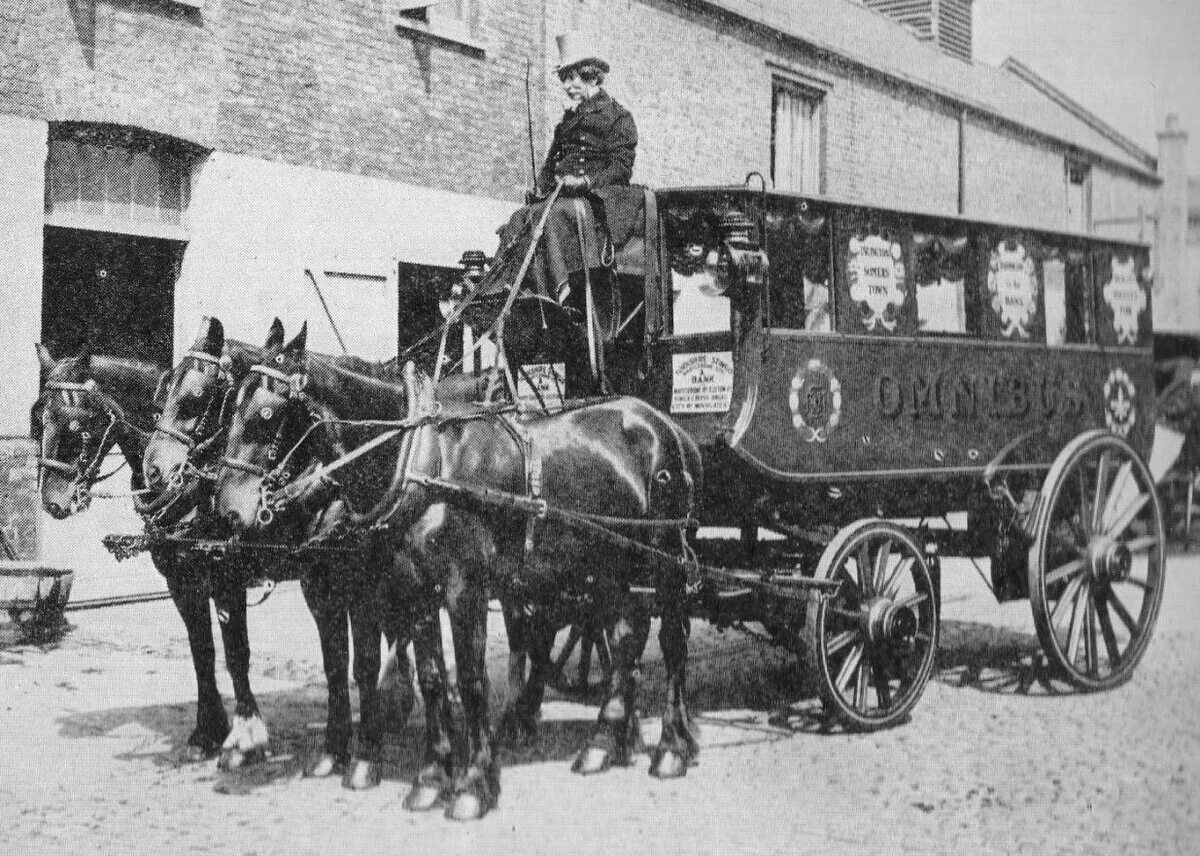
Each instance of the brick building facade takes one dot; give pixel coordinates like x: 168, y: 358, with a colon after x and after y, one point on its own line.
x: 329, y: 141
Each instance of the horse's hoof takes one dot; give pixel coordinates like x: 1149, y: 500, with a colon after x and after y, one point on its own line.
x: 668, y: 764
x: 235, y: 759
x: 193, y: 754
x: 361, y: 776
x: 592, y: 760
x: 327, y: 765
x: 423, y: 798
x: 467, y: 805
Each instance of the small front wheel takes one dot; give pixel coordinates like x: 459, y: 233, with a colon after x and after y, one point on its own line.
x: 872, y: 644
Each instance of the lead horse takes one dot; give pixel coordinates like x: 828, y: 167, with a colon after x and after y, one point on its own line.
x: 618, y: 460
x: 87, y: 405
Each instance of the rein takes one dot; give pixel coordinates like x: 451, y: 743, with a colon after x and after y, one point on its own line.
x: 84, y: 472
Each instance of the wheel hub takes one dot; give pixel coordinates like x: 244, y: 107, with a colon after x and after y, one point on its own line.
x: 1109, y: 560
x: 885, y: 622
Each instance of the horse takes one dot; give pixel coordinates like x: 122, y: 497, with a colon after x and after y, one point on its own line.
x: 178, y: 464
x: 616, y: 457
x: 87, y: 405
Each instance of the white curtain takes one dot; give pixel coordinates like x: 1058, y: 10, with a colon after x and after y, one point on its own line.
x: 797, y: 141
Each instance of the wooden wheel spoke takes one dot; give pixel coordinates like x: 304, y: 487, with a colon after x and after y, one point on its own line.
x: 1101, y: 479
x: 882, y: 688
x: 893, y: 581
x: 912, y: 600
x: 1069, y: 570
x: 1075, y: 632
x: 1067, y: 544
x: 1106, y: 630
x: 848, y: 614
x: 1086, y: 512
x: 864, y: 569
x: 1137, y: 545
x: 1090, y: 654
x: 1068, y: 596
x: 837, y: 643
x: 849, y: 667
x: 1121, y: 522
x: 1121, y: 611
x: 882, y: 558
x: 862, y: 683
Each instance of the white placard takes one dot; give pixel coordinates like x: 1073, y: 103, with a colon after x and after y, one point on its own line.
x: 702, y: 383
x: 540, y: 386
x: 1125, y: 297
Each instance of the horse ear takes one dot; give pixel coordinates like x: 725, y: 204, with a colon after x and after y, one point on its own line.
x: 298, y: 344
x: 211, y: 339
x: 274, y: 335
x: 44, y: 359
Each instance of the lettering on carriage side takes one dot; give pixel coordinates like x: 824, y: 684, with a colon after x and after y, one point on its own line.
x: 1120, y: 415
x: 959, y: 397
x: 815, y: 401
x: 1012, y: 284
x: 876, y: 272
x: 702, y: 383
x: 1127, y: 300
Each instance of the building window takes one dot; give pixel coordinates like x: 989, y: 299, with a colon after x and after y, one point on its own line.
x: 131, y: 179
x: 796, y: 117
x: 449, y: 20
x: 1079, y: 196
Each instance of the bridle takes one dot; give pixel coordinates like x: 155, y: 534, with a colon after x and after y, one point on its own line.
x: 276, y: 475
x: 84, y: 473
x: 201, y: 440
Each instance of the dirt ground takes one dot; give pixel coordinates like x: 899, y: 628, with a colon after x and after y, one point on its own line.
x: 994, y: 759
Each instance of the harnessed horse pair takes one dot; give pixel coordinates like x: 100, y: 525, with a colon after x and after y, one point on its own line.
x: 460, y: 514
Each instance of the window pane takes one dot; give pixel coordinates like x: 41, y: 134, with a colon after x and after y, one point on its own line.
x: 940, y: 264
x: 1054, y: 278
x: 798, y: 246
x: 796, y: 145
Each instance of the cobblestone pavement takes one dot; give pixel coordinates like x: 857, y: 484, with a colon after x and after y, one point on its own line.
x: 992, y: 761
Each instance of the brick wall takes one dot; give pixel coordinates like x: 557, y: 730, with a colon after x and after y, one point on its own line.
x: 330, y: 84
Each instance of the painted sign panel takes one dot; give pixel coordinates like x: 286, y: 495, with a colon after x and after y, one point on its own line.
x: 1013, y: 289
x: 876, y: 275
x: 1126, y: 298
x: 702, y: 383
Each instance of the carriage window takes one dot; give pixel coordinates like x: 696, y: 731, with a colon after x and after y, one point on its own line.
x: 1054, y: 278
x: 697, y: 305
x: 798, y: 246
x: 940, y: 264
x: 1013, y: 290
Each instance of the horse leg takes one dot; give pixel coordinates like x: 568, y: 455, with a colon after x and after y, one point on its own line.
x: 516, y: 723
x: 617, y: 736
x: 248, y: 740
x: 396, y: 695
x: 678, y: 746
x: 330, y: 615
x: 191, y: 601
x: 364, y: 768
x: 436, y: 776
x: 477, y: 791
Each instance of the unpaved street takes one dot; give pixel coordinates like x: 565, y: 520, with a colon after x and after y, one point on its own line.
x: 994, y: 759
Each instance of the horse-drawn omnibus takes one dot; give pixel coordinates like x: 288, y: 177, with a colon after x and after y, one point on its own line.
x: 844, y: 367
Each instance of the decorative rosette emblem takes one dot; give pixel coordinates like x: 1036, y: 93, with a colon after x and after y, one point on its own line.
x: 815, y: 401
x: 1119, y: 412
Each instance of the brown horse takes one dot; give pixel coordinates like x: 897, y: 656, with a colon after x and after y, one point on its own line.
x: 618, y: 458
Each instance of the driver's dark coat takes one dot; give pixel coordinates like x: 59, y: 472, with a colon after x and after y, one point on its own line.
x: 597, y: 139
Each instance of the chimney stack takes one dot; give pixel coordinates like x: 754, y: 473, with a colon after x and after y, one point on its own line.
x: 1179, y: 307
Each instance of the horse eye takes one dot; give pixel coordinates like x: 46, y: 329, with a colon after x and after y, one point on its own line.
x: 266, y: 413
x: 74, y: 426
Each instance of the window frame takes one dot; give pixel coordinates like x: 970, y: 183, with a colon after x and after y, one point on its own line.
x: 424, y: 18
x: 818, y: 95
x: 1071, y: 165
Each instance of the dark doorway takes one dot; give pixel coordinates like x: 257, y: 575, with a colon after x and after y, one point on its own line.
x: 116, y: 292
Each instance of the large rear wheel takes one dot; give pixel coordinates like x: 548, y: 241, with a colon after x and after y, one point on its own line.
x: 1096, y: 567
x: 871, y: 645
